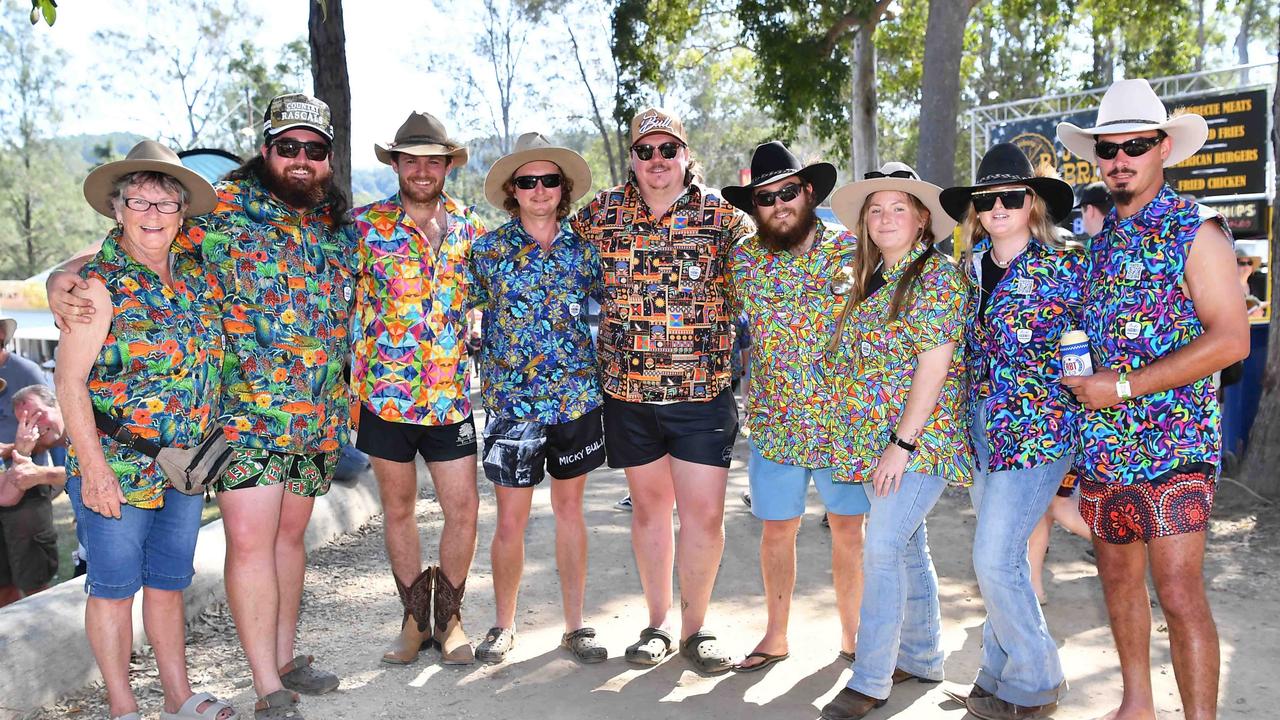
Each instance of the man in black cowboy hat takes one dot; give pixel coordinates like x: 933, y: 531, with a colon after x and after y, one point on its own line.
x: 790, y: 278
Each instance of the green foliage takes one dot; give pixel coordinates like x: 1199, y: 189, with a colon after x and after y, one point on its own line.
x: 646, y: 34
x: 46, y: 9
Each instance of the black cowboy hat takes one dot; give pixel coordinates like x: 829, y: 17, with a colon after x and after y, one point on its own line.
x: 772, y: 162
x: 1005, y: 164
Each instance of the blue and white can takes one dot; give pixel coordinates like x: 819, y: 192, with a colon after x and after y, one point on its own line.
x: 1074, y: 349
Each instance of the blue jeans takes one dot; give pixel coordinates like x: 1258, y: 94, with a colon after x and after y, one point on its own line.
x: 1019, y: 657
x: 901, y: 623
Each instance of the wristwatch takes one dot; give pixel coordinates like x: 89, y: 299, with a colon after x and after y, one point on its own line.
x: 908, y: 446
x: 1123, y: 390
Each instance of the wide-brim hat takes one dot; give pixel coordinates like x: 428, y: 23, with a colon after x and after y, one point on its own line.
x: 149, y: 156
x: 847, y: 201
x: 772, y: 162
x: 422, y: 135
x: 1005, y: 164
x: 1132, y: 106
x: 10, y: 325
x: 531, y: 147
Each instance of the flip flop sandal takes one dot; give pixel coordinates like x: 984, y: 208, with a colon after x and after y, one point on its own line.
x: 703, y: 651
x: 652, y: 648
x: 279, y: 705
x: 301, y: 676
x: 210, y: 712
x: 497, y: 643
x: 767, y: 659
x: 582, y: 643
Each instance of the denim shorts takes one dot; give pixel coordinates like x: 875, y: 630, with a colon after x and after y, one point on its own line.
x: 154, y: 548
x: 778, y: 491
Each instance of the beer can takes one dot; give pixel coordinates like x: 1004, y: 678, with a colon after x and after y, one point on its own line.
x: 1074, y: 348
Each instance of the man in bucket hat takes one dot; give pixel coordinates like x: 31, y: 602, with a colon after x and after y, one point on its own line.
x: 1159, y: 326
x: 411, y: 376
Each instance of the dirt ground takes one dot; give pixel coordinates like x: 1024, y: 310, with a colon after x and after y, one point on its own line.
x: 351, y: 612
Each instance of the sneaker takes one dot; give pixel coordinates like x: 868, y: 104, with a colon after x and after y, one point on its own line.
x: 746, y: 498
x: 624, y: 504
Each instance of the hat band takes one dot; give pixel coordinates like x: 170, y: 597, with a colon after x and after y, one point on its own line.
x: 1137, y: 121
x: 421, y: 140
x: 1001, y: 177
x: 759, y: 179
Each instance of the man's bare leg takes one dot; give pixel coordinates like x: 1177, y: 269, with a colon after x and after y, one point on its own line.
x: 778, y: 574
x: 250, y: 519
x: 1177, y: 566
x: 455, y: 484
x: 398, y: 491
x: 291, y: 569
x: 571, y: 547
x: 653, y: 535
x: 846, y: 574
x: 699, y: 493
x: 1122, y: 570
x: 506, y: 553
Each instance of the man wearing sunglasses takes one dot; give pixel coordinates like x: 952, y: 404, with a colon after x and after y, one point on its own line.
x: 664, y: 348
x: 411, y: 373
x: 1159, y: 326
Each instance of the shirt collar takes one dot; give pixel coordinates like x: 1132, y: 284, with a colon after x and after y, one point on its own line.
x: 516, y: 234
x: 892, y: 273
x: 1150, y: 214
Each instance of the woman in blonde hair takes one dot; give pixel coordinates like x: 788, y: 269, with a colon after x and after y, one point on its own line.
x: 1028, y: 293
x: 903, y: 326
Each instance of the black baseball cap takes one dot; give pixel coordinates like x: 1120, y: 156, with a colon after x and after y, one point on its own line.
x: 1095, y: 194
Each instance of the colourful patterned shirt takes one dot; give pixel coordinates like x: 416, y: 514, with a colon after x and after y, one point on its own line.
x: 288, y: 276
x: 1012, y: 352
x: 791, y: 314
x: 158, y: 372
x: 411, y: 362
x: 884, y: 362
x: 538, y: 361
x: 666, y: 319
x: 1137, y: 311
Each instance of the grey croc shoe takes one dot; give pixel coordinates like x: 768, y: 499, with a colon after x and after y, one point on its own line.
x: 279, y: 705
x: 582, y: 643
x: 300, y: 675
x: 497, y: 643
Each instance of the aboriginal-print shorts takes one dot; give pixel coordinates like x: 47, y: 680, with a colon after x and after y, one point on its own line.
x: 1179, y: 502
x: 305, y: 475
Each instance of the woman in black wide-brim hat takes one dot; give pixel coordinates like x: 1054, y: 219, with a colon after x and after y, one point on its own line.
x: 1027, y: 290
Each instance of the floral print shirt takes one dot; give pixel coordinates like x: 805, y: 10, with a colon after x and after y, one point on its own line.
x: 1137, y: 310
x: 538, y: 361
x: 411, y: 362
x: 1013, y: 355
x: 159, y: 370
x: 791, y: 313
x: 666, y: 319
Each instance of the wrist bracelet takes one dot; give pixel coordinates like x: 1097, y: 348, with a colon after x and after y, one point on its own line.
x: 908, y: 446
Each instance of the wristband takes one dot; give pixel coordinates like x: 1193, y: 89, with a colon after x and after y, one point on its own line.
x: 1123, y: 390
x: 908, y: 446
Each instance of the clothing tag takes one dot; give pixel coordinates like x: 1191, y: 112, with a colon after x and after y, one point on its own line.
x: 865, y: 348
x: 575, y: 309
x: 1132, y: 330
x: 1024, y: 286
x: 695, y: 272
x: 346, y: 293
x: 1132, y: 270
x: 1024, y: 335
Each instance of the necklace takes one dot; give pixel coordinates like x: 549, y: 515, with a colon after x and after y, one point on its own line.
x: 1005, y: 265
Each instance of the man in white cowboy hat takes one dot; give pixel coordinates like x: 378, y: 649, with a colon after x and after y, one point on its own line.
x: 1159, y: 326
x: 535, y: 277
x: 789, y: 280
x: 411, y: 376
x: 665, y: 344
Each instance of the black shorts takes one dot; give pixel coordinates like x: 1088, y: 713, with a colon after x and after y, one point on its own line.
x: 399, y: 442
x: 28, y: 543
x: 696, y: 432
x: 516, y: 452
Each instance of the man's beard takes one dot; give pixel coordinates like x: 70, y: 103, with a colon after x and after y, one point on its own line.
x: 297, y: 192
x: 779, y: 240
x: 417, y: 195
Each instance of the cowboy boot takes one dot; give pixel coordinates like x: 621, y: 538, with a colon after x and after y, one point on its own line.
x: 415, y: 628
x: 455, y: 649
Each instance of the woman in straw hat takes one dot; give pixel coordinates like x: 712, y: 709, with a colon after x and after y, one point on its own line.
x: 150, y: 359
x: 1029, y: 290
x: 905, y: 321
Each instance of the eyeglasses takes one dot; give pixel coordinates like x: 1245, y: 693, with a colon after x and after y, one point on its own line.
x: 877, y: 175
x: 668, y: 150
x: 1133, y: 147
x: 1011, y: 199
x: 316, y: 151
x: 166, y: 207
x: 786, y: 193
x: 529, y: 182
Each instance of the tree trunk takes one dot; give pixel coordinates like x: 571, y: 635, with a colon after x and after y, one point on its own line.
x: 1242, y: 38
x: 940, y: 91
x: 1199, y: 64
x: 1262, y: 457
x: 863, y: 155
x: 328, y: 40
x: 1103, y: 56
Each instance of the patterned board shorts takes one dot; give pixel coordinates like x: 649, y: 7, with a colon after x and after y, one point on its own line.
x: 1176, y: 504
x: 306, y: 475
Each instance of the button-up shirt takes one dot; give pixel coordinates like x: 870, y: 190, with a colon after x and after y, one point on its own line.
x: 538, y: 362
x: 667, y: 314
x: 410, y: 362
x: 791, y: 312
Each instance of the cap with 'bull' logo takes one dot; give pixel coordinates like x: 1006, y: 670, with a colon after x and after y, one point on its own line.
x: 655, y: 120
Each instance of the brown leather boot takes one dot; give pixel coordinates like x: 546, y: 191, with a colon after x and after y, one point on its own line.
x: 455, y: 649
x: 415, y: 628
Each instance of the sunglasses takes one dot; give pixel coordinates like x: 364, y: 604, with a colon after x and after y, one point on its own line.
x: 1239, y: 263
x: 166, y: 207
x: 900, y: 174
x: 786, y: 193
x: 668, y: 150
x: 1133, y: 147
x: 316, y: 151
x: 529, y: 182
x: 1010, y: 199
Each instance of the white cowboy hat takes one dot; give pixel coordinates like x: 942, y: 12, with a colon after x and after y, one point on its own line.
x: 1132, y: 106
x: 531, y: 147
x: 847, y: 201
x: 149, y: 156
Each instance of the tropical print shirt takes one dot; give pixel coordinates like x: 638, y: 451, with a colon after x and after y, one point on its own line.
x: 791, y: 314
x: 884, y: 363
x: 411, y: 362
x: 538, y: 361
x: 666, y: 319
x: 1013, y: 355
x: 288, y: 277
x: 1137, y: 310
x: 159, y: 371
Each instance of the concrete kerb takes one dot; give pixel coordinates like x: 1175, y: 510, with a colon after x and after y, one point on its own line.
x: 43, y: 651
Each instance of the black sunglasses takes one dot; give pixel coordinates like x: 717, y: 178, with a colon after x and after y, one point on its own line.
x: 877, y: 175
x: 316, y: 151
x: 668, y: 150
x: 786, y: 193
x: 1011, y: 199
x: 1133, y: 147
x: 529, y: 182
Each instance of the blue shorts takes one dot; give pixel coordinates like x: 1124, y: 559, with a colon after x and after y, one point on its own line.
x: 154, y: 548
x: 778, y: 491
